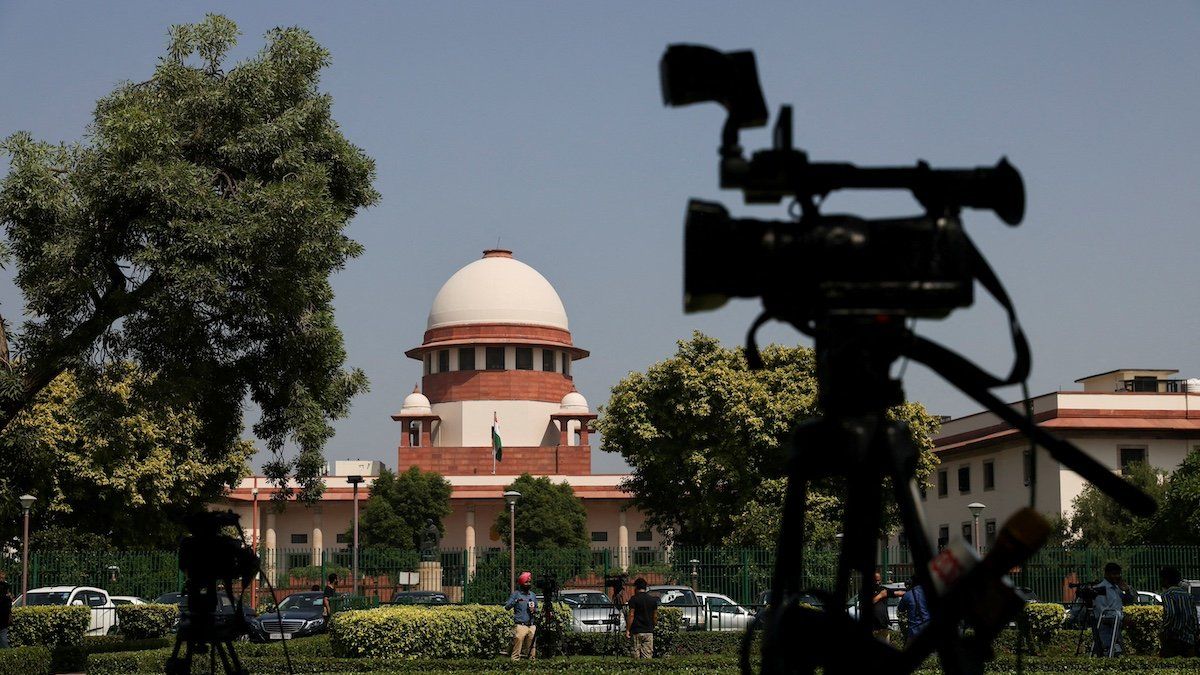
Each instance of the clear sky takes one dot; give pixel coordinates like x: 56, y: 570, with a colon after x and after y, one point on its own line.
x: 542, y: 124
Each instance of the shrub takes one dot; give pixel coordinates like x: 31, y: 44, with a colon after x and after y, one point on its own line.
x: 48, y: 625
x: 668, y: 626
x: 1043, y: 620
x: 318, y: 573
x: 455, y: 631
x: 138, y: 622
x: 25, y: 661
x: 1140, y: 629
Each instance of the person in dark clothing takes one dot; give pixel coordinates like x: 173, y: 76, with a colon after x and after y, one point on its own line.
x: 915, y: 610
x: 1179, y: 624
x: 880, y: 625
x: 642, y: 616
x: 330, y: 595
x: 6, y: 602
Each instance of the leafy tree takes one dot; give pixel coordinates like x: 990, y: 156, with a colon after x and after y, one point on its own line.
x: 549, y: 515
x: 1177, y: 521
x: 400, y: 506
x: 194, y: 233
x: 1097, y: 520
x: 703, y: 434
x: 110, y: 459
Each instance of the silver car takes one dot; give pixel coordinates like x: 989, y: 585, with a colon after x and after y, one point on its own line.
x: 724, y: 613
x: 592, y: 611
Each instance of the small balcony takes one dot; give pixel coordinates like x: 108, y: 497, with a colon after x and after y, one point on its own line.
x: 1154, y: 385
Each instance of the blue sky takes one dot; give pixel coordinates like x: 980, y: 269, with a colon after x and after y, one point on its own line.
x: 541, y: 124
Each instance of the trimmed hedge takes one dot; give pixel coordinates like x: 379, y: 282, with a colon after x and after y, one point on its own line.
x: 48, y: 625
x: 139, y: 622
x: 68, y: 658
x: 1044, y: 619
x: 1140, y: 629
x: 453, y: 631
x: 25, y: 661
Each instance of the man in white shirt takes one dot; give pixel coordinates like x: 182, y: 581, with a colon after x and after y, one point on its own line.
x: 1109, y: 609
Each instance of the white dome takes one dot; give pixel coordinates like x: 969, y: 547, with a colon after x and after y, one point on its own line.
x: 574, y: 402
x: 416, y: 404
x: 497, y: 289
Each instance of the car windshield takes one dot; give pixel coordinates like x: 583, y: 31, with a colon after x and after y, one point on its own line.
x: 169, y: 598
x: 303, y: 601
x: 675, y: 596
x: 420, y: 599
x: 587, y: 599
x: 46, y: 598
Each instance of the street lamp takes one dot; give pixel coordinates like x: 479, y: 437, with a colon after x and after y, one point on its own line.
x: 355, y: 480
x: 511, y: 497
x: 26, y: 504
x: 254, y: 526
x: 695, y: 572
x: 976, y: 508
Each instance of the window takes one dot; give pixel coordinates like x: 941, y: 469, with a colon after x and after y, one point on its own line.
x: 1027, y: 467
x: 566, y: 363
x: 466, y: 358
x: 989, y: 529
x: 548, y: 360
x: 299, y: 538
x: 599, y: 536
x: 428, y: 364
x: 414, y: 434
x: 964, y: 479
x: 966, y: 530
x: 943, y: 536
x: 344, y: 538
x: 524, y: 358
x: 443, y: 360
x: 989, y: 475
x: 943, y: 484
x: 644, y: 535
x: 495, y: 358
x: 1145, y: 383
x: 1130, y: 456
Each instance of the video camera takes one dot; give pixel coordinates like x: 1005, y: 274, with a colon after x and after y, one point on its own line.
x: 616, y: 582
x: 547, y: 584
x: 1087, y: 591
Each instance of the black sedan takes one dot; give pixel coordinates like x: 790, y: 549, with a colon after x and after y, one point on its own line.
x: 299, y: 615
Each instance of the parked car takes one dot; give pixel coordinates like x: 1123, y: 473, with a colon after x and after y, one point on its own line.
x: 172, y: 598
x: 592, y: 611
x: 893, y: 601
x: 127, y: 600
x: 224, y: 614
x: 685, y: 599
x: 809, y: 599
x: 1149, y: 598
x: 724, y: 613
x: 419, y: 598
x: 104, y: 612
x: 298, y: 615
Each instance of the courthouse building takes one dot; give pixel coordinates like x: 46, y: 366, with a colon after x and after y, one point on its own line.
x: 496, y: 347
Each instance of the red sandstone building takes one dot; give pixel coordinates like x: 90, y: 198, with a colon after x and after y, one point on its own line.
x: 497, y: 346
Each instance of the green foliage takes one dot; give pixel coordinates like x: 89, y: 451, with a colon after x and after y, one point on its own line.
x: 26, y: 661
x: 1141, y: 629
x: 318, y: 573
x: 453, y: 631
x: 194, y: 233
x: 401, y: 506
x: 139, y: 622
x: 48, y: 625
x: 490, y: 585
x: 114, y: 463
x: 549, y: 515
x: 1178, y: 518
x: 1044, y: 619
x: 1098, y: 520
x: 702, y: 433
x: 552, y: 632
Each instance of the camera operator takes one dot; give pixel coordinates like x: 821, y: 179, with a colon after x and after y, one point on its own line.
x: 915, y: 609
x: 880, y: 625
x: 642, y: 616
x: 523, y: 604
x: 1179, y: 616
x: 1111, y: 595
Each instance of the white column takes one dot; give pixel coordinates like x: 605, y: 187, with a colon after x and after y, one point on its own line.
x: 622, y: 540
x: 318, y: 537
x: 270, y: 552
x: 469, y: 541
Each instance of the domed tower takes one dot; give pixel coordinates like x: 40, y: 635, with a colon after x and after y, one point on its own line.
x: 497, y: 348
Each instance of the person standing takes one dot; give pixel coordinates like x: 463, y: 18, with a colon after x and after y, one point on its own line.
x: 1109, y: 608
x: 915, y: 609
x: 1179, y: 616
x: 330, y: 596
x: 880, y: 624
x: 523, y: 604
x: 6, y: 602
x: 641, y: 619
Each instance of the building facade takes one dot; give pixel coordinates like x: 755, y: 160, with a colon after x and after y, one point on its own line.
x: 1117, y: 417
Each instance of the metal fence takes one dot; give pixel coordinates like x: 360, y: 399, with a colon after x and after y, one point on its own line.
x: 482, y: 575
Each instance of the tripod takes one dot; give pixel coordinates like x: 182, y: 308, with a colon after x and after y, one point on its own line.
x: 616, y: 640
x: 199, y: 631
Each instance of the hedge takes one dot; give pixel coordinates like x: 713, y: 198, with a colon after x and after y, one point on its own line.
x: 25, y: 661
x: 48, y: 625
x: 1044, y: 619
x: 1140, y: 629
x: 67, y: 658
x: 139, y: 622
x: 453, y: 631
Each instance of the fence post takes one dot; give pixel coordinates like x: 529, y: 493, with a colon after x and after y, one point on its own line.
x: 745, y: 599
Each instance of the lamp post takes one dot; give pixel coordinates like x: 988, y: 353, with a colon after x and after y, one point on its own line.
x: 695, y: 572
x: 254, y: 544
x: 26, y: 504
x: 355, y: 480
x: 976, y: 508
x: 511, y: 497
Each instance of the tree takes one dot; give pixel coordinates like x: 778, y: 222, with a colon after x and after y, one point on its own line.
x: 194, y: 234
x: 703, y: 433
x: 1097, y: 520
x: 549, y: 515
x: 108, y: 458
x: 1177, y: 521
x: 401, y: 505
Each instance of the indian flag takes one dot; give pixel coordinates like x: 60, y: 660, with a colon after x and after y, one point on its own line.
x: 497, y: 446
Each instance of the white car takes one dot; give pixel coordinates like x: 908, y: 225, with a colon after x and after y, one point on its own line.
x: 724, y: 613
x: 104, y: 612
x: 127, y: 600
x: 592, y: 611
x: 893, y: 601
